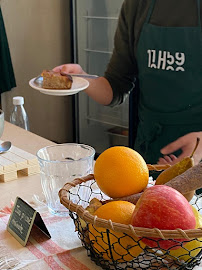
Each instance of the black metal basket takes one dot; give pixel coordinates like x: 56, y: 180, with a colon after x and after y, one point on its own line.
x: 103, y: 251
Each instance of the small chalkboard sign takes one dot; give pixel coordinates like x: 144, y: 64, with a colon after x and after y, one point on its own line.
x: 22, y: 219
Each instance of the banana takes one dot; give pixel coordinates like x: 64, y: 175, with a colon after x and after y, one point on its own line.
x: 81, y: 225
x: 94, y: 204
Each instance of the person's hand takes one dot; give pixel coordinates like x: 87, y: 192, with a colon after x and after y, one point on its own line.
x: 167, y: 159
x: 186, y: 143
x: 99, y: 89
x: 69, y: 68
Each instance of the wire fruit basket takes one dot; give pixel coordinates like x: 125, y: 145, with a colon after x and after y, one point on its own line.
x: 107, y: 249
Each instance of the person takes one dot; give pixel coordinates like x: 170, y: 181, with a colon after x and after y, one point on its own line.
x: 158, y: 53
x: 7, y: 76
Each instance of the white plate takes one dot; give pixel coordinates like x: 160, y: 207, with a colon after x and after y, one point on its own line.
x: 78, y: 85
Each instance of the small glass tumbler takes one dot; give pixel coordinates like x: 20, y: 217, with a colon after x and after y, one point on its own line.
x: 59, y: 164
x: 1, y: 122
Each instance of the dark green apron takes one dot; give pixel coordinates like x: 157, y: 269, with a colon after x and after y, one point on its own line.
x: 7, y: 78
x: 170, y: 82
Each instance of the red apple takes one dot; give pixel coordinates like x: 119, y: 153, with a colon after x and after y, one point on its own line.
x: 164, y: 208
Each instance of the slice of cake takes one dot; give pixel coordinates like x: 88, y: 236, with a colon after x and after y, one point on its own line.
x: 56, y: 80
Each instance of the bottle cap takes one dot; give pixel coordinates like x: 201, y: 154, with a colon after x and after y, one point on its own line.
x: 18, y: 100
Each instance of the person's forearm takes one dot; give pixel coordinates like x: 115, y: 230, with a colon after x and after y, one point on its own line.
x: 100, y: 91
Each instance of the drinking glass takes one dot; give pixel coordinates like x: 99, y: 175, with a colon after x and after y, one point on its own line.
x: 1, y: 122
x: 59, y: 164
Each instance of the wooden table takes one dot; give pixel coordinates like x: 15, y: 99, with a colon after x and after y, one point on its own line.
x: 25, y: 186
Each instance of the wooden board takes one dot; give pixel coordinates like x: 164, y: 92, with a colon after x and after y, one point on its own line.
x: 16, y: 162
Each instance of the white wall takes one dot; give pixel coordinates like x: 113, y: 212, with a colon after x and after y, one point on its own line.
x: 38, y: 36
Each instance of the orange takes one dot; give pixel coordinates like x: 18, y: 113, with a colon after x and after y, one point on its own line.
x: 123, y: 247
x: 121, y: 171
